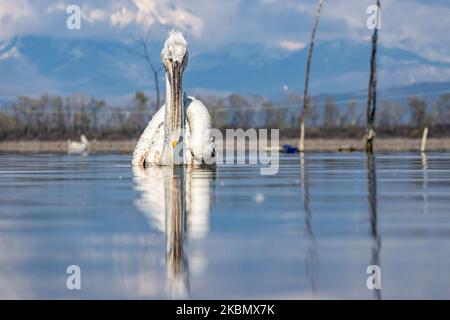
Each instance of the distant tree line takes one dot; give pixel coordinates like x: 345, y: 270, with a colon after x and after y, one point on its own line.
x: 52, y: 117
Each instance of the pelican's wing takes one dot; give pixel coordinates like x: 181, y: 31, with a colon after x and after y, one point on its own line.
x: 149, y: 146
x: 200, y: 141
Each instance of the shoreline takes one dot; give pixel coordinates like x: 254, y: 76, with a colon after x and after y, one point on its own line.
x: 311, y: 145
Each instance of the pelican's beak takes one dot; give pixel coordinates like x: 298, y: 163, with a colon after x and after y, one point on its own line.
x: 175, y: 71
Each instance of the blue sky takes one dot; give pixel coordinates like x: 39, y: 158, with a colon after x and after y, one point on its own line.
x: 281, y: 26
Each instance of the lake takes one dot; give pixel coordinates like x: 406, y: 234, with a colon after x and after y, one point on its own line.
x: 308, y: 232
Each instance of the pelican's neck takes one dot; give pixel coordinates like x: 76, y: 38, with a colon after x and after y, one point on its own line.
x: 173, y: 118
x: 168, y: 105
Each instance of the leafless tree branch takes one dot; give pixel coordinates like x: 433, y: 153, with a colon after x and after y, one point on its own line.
x: 143, y: 43
x: 301, y: 144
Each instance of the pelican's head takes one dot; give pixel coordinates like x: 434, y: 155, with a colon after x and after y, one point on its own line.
x: 175, y: 52
x: 174, y: 57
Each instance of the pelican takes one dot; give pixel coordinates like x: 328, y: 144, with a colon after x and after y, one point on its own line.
x: 81, y: 147
x: 180, y: 131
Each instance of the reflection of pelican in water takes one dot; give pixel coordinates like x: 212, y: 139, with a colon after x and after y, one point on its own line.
x: 175, y: 201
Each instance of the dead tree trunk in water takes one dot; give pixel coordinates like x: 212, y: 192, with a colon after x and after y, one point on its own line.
x: 423, y: 145
x: 372, y: 92
x: 301, y: 145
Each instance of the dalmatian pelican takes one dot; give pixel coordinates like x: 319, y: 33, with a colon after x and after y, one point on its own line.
x: 180, y: 131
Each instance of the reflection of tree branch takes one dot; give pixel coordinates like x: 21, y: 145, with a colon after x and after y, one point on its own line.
x: 312, y: 260
x: 376, y: 245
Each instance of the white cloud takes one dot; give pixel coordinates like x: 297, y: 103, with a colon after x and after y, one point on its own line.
x: 13, y: 15
x: 96, y: 15
x: 420, y: 27
x: 169, y: 14
x: 291, y: 45
x: 59, y: 6
x: 47, y: 17
x: 122, y: 16
x: 10, y: 54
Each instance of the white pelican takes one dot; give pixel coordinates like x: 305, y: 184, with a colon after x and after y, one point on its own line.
x: 182, y: 124
x: 81, y: 147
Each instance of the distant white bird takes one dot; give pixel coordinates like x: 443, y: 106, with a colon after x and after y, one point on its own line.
x: 78, y: 147
x: 180, y: 131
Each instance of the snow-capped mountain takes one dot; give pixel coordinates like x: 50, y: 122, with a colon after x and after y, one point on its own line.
x: 32, y: 65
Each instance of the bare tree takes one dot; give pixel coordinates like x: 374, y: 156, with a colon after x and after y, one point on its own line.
x: 301, y: 145
x: 372, y: 92
x: 143, y: 43
x: 352, y: 114
x: 441, y: 110
x: 313, y: 113
x: 419, y: 115
x: 330, y: 114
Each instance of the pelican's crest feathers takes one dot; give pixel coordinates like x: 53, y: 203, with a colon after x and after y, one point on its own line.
x: 175, y: 47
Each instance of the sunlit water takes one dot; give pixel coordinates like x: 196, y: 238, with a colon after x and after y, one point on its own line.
x: 310, y: 231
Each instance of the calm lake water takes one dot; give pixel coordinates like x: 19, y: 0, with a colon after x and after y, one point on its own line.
x: 310, y: 231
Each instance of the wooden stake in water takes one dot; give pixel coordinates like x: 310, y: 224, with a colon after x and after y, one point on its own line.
x: 301, y: 144
x: 372, y: 91
x: 424, y: 139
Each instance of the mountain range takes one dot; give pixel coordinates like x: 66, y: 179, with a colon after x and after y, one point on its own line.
x: 32, y: 65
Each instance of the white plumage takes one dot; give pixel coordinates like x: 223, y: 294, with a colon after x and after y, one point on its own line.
x: 183, y: 121
x: 199, y: 141
x: 75, y: 147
